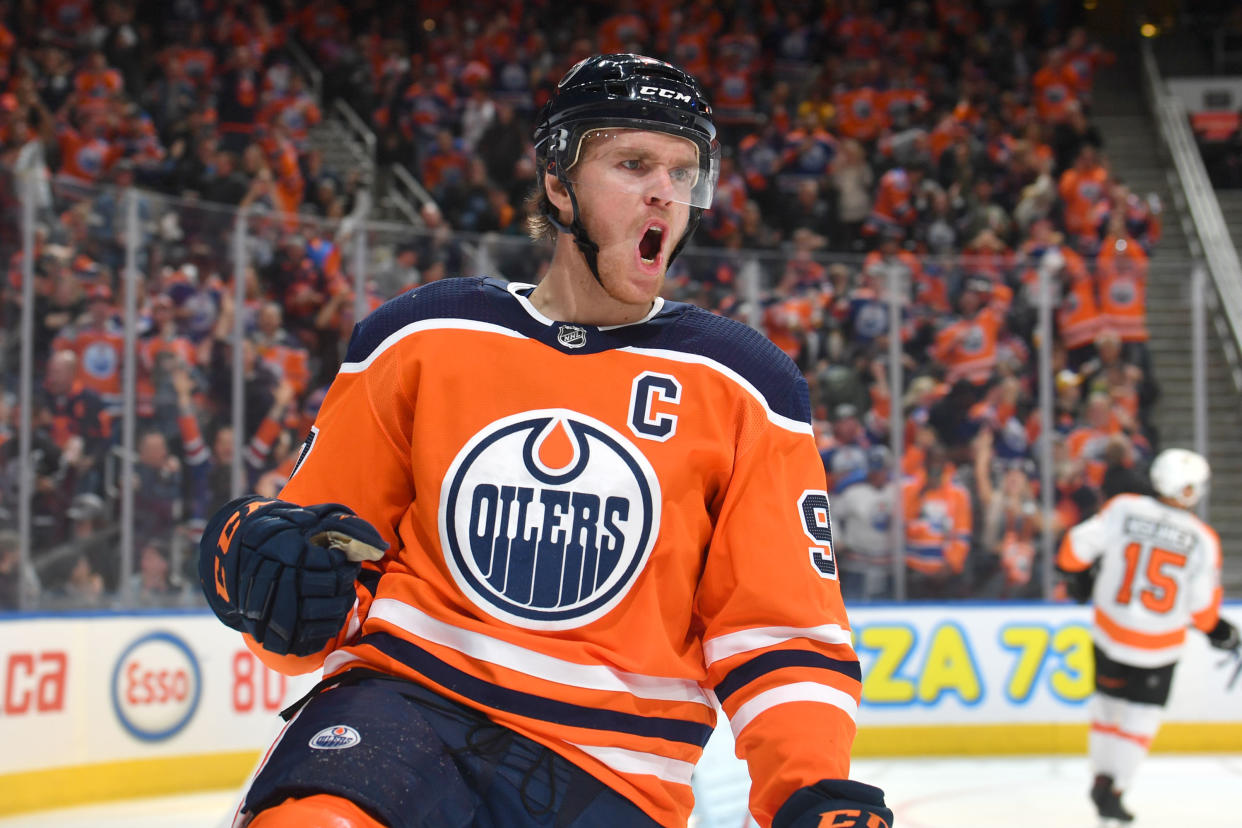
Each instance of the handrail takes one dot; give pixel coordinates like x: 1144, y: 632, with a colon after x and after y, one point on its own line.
x: 358, y: 127
x: 403, y: 177
x: 308, y: 66
x: 1209, y: 224
x: 405, y: 207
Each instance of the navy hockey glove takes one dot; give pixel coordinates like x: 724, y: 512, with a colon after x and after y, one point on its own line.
x: 840, y: 803
x: 1079, y: 585
x: 1224, y: 636
x: 285, y: 573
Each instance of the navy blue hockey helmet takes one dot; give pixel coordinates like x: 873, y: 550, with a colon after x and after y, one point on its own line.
x: 626, y: 91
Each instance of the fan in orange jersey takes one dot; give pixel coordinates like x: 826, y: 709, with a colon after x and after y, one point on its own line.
x: 1151, y: 568
x: 1082, y: 187
x: 966, y: 345
x: 1121, y: 269
x: 99, y: 341
x: 580, y: 518
x: 938, y: 527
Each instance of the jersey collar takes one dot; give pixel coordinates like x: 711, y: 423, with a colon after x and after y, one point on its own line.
x: 521, y: 292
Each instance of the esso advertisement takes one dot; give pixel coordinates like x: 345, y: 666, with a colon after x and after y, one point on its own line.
x: 156, y: 686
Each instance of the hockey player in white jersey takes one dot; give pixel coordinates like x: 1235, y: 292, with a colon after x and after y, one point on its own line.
x: 862, y: 516
x: 1151, y: 568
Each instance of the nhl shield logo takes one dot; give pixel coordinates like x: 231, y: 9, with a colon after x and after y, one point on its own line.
x: 571, y: 336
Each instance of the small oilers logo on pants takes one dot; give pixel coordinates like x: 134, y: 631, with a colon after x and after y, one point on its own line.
x: 547, y: 518
x: 336, y: 737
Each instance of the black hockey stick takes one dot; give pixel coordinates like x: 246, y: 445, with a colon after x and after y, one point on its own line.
x: 1236, y: 657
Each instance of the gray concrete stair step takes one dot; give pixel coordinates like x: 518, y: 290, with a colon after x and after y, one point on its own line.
x: 1132, y: 144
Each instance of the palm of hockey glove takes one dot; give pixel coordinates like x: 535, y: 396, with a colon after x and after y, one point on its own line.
x: 840, y: 803
x: 285, y: 573
x: 1224, y: 636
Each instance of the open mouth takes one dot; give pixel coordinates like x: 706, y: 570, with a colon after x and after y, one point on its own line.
x: 650, y: 244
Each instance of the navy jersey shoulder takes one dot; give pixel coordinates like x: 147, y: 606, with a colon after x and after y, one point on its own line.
x: 678, y: 327
x: 740, y: 348
x: 465, y: 297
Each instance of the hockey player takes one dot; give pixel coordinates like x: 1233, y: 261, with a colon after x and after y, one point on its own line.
x: 1151, y: 568
x: 538, y: 534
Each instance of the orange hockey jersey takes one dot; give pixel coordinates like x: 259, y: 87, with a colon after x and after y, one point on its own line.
x: 599, y: 536
x: 1159, y: 572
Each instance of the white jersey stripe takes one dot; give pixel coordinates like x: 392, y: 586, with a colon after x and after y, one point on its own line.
x: 636, y: 762
x: 425, y: 325
x: 744, y: 641
x: 802, y: 691
x: 534, y: 664
x: 338, y: 659
x: 780, y: 420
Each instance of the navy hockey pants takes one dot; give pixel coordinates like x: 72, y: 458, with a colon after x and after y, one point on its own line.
x: 415, y: 759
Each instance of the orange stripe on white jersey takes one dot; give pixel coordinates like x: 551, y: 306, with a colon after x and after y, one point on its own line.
x: 1159, y: 568
x: 1206, y: 618
x: 1130, y: 646
x: 1067, y: 557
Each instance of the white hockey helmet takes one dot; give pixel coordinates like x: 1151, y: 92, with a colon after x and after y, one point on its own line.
x: 1180, y: 475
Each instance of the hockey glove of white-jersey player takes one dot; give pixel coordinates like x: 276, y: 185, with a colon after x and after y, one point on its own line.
x: 1079, y: 585
x: 842, y: 803
x: 1224, y: 636
x: 285, y: 573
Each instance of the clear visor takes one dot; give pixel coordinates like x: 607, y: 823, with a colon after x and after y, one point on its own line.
x: 647, y: 164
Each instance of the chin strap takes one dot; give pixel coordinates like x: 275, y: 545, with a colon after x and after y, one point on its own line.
x: 590, y: 250
x: 691, y: 225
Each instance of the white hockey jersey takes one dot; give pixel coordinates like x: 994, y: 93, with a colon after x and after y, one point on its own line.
x: 863, y: 516
x: 1159, y: 572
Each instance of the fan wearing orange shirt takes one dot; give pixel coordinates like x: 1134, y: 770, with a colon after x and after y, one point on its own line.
x: 966, y: 346
x: 1121, y: 270
x: 88, y: 154
x: 938, y: 527
x: 99, y: 342
x: 1055, y: 87
x: 1082, y: 187
x: 894, y: 205
x: 1089, y: 441
x: 550, y: 530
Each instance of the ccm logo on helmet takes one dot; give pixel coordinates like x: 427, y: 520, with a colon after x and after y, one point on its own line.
x: 664, y: 93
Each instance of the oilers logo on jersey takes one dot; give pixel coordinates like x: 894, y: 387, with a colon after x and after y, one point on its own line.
x: 547, y: 518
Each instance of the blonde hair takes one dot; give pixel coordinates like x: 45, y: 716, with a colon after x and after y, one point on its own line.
x: 537, y: 207
x: 537, y: 204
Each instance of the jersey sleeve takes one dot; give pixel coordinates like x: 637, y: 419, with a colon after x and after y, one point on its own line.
x: 357, y: 454
x: 1085, y: 543
x: 1204, y: 587
x: 776, y: 638
x: 358, y: 451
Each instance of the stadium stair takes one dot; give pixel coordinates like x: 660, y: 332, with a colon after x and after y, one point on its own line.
x: 340, y: 154
x: 1132, y: 144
